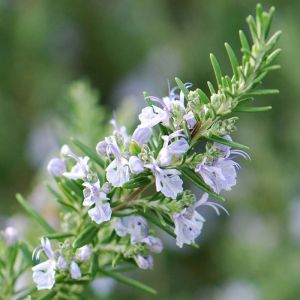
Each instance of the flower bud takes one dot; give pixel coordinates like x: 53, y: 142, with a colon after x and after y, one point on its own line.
x: 75, y: 270
x: 136, y: 165
x: 61, y: 263
x: 11, y: 236
x: 56, y: 167
x: 142, y: 135
x: 144, y: 262
x: 101, y: 148
x: 155, y: 244
x: 106, y: 187
x: 83, y: 253
x: 65, y: 150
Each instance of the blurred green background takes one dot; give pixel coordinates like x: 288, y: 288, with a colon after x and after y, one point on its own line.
x: 123, y: 48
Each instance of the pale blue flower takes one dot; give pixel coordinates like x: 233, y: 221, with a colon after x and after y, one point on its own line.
x: 11, y: 236
x: 75, y: 270
x: 56, y: 167
x: 136, y: 165
x: 189, y: 223
x: 93, y: 195
x: 167, y: 181
x: 220, y: 174
x: 155, y: 244
x: 81, y: 169
x: 61, y: 263
x: 135, y: 226
x: 83, y: 253
x: 44, y: 273
x: 144, y: 262
x: 171, y: 152
x: 142, y: 135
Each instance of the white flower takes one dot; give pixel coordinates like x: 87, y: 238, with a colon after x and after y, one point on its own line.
x: 167, y: 181
x: 75, y: 270
x: 151, y: 116
x: 136, y: 165
x: 56, y: 167
x: 83, y: 253
x: 155, y: 244
x: 93, y: 195
x: 190, y: 119
x: 189, y: 223
x: 81, y: 169
x: 120, y: 130
x: 11, y: 236
x: 101, y: 148
x: 117, y: 173
x: 220, y: 175
x: 141, y: 135
x: 61, y: 263
x: 144, y: 262
x: 135, y: 226
x: 171, y: 152
x: 44, y: 273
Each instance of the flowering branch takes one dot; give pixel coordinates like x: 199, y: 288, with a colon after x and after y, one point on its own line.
x: 109, y: 196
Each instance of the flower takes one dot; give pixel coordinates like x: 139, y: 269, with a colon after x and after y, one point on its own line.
x: 220, y: 174
x: 141, y: 135
x: 144, y: 262
x: 189, y: 223
x: 172, y: 107
x: 11, y: 236
x: 136, y: 165
x: 155, y: 244
x: 44, y: 273
x: 167, y: 181
x: 171, y: 152
x: 117, y: 173
x: 56, y: 167
x: 93, y: 195
x: 81, y: 169
x: 61, y: 263
x: 135, y: 226
x: 75, y: 270
x: 83, y: 253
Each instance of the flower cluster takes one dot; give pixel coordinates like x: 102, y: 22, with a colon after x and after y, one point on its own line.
x: 113, y: 194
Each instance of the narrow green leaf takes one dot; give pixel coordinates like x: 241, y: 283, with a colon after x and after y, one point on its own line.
x: 274, y: 39
x: 89, y: 152
x: 193, y: 177
x: 35, y: 216
x: 26, y: 252
x: 48, y: 296
x: 253, y: 109
x: 137, y: 182
x: 203, y: 96
x: 156, y: 222
x: 269, y: 18
x: 223, y: 141
x: 211, y: 87
x: 128, y: 281
x: 58, y: 236
x: 252, y: 27
x: 86, y: 236
x: 263, y: 92
x: 216, y: 68
x: 233, y: 60
x: 244, y: 41
x: 182, y: 87
x: 271, y: 57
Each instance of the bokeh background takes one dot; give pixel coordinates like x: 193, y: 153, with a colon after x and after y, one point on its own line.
x: 120, y: 49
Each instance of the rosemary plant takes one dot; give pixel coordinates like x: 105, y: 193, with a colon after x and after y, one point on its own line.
x: 114, y: 197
